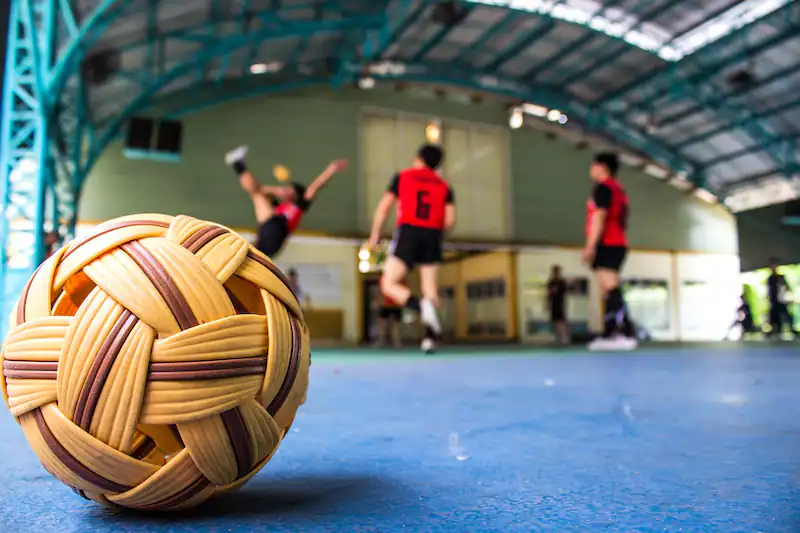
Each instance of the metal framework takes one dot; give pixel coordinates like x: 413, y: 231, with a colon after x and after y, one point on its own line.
x: 27, y: 166
x: 53, y: 132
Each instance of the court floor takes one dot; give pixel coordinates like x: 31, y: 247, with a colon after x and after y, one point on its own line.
x: 661, y: 440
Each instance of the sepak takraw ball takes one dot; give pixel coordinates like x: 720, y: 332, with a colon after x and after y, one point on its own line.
x: 156, y: 362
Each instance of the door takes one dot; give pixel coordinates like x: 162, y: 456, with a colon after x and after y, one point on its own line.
x: 369, y: 309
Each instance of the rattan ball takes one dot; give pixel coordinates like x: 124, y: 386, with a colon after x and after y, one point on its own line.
x: 156, y: 362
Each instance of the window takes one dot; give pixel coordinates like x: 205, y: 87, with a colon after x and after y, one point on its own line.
x: 476, y: 165
x: 487, y: 308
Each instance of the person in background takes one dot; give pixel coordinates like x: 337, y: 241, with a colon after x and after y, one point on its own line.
x: 51, y: 240
x: 778, y: 291
x: 300, y: 294
x: 606, y: 249
x: 278, y: 209
x: 557, y: 304
x: 390, y: 318
x: 744, y: 319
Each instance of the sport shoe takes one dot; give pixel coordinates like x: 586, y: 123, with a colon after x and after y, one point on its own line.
x: 428, y: 346
x: 613, y: 344
x: 236, y: 155
x: 429, y: 316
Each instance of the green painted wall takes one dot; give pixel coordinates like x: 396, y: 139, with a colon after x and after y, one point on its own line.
x: 306, y: 130
x: 551, y: 186
x: 762, y: 236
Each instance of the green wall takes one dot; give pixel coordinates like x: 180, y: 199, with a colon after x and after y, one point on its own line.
x: 306, y: 130
x: 551, y: 186
x: 762, y: 236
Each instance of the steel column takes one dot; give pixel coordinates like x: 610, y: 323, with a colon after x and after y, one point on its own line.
x: 25, y: 168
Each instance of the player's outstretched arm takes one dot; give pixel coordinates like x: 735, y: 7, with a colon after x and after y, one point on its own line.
x: 449, y: 216
x: 450, y: 210
x: 274, y: 190
x: 381, y: 214
x: 320, y: 181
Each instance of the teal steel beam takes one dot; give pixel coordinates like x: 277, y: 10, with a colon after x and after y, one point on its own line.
x: 716, y: 66
x: 436, y: 38
x: 24, y: 165
x: 252, y: 49
x: 302, y: 45
x: 731, y: 156
x: 709, y: 60
x: 574, y: 46
x: 593, y: 119
x: 189, y: 103
x: 89, y: 31
x: 499, y: 28
x: 403, y: 14
x: 465, y: 78
x: 778, y: 75
x: 302, y: 29
x: 710, y: 134
x: 638, y: 81
x: 788, y: 173
x: 709, y: 97
x: 610, y: 49
x: 520, y: 44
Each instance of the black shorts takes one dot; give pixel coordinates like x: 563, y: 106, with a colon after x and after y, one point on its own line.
x: 609, y: 257
x: 389, y: 313
x: 272, y: 235
x: 558, y: 313
x: 417, y: 246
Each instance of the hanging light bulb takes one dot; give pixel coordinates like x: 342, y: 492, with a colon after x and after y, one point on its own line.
x: 433, y: 133
x: 516, y: 119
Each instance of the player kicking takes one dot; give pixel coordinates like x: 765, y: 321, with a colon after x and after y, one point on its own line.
x: 425, y: 210
x: 606, y: 250
x: 279, y: 209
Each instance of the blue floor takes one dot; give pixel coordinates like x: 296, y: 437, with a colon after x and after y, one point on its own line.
x: 680, y: 440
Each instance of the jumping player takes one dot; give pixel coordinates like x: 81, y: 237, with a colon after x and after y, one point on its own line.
x: 279, y: 209
x: 425, y: 210
x: 606, y: 250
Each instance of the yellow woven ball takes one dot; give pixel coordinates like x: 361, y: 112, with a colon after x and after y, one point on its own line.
x: 156, y: 362
x: 281, y: 173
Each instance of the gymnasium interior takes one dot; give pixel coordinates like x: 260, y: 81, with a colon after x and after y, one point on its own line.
x: 113, y: 108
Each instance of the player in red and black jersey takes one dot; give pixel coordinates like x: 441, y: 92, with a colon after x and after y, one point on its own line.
x: 425, y: 210
x: 279, y: 209
x: 606, y: 249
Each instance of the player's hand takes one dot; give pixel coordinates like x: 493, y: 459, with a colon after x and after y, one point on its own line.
x: 587, y: 256
x: 339, y: 165
x: 373, y: 243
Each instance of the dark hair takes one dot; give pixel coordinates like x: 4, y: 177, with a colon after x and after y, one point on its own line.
x: 610, y: 160
x: 299, y: 190
x: 292, y: 272
x: 431, y: 155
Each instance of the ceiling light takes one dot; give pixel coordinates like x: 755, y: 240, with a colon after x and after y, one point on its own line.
x: 433, y: 133
x: 515, y: 119
x: 535, y: 110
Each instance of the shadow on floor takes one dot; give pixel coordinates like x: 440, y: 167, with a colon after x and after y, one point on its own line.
x: 308, y: 495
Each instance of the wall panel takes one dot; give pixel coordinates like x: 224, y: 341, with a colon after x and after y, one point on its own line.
x: 304, y: 131
x: 709, y: 290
